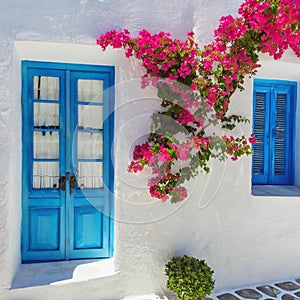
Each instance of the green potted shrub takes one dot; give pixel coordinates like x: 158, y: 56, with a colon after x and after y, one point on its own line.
x: 189, y: 278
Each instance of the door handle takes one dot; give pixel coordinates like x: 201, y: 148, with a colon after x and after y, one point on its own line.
x: 62, y: 183
x: 72, y: 183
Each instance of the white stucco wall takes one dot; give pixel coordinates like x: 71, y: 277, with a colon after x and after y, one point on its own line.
x: 245, y: 239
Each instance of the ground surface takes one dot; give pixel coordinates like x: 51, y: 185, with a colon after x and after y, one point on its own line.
x: 285, y: 290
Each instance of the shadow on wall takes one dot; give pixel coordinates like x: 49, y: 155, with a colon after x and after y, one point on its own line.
x: 55, y: 273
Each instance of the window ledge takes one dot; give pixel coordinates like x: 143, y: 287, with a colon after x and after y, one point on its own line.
x: 276, y: 190
x: 63, y: 272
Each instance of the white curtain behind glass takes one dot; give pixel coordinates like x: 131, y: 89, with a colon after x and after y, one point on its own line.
x: 90, y: 143
x: 46, y: 142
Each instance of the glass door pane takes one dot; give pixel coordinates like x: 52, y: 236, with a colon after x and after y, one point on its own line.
x: 46, y: 88
x: 45, y: 175
x: 46, y: 145
x: 90, y: 116
x: 90, y: 175
x: 90, y: 90
x: 46, y: 115
x: 90, y: 145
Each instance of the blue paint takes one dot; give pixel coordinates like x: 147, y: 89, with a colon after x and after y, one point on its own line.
x: 56, y: 224
x: 274, y: 103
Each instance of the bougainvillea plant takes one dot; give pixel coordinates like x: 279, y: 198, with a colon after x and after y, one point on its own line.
x: 195, y: 87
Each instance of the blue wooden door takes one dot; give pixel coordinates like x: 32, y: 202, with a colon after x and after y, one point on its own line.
x: 67, y: 169
x: 273, y: 126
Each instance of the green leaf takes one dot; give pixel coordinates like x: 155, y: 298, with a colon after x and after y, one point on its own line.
x: 189, y: 277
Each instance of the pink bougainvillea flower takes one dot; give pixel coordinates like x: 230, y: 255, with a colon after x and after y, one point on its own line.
x: 195, y: 86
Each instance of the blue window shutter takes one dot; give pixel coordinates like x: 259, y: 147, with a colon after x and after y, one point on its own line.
x: 261, y: 130
x: 281, y: 142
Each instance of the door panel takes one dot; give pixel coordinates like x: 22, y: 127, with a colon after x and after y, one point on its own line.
x: 44, y: 228
x: 86, y: 219
x: 89, y: 238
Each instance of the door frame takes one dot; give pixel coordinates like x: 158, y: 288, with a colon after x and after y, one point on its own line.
x: 26, y: 178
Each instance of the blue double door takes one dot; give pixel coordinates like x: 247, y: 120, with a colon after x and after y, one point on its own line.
x: 67, y: 169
